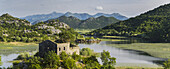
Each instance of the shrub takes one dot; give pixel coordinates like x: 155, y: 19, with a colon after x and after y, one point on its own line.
x: 86, y: 52
x: 63, y: 55
x: 23, y: 56
x: 69, y: 63
x: 51, y: 60
x: 167, y: 64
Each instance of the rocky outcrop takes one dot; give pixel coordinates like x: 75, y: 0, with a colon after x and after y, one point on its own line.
x: 6, y: 18
x: 53, y: 27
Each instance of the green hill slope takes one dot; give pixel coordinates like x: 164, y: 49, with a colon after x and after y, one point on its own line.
x: 14, y: 29
x: 153, y: 25
x: 91, y: 23
x: 95, y: 23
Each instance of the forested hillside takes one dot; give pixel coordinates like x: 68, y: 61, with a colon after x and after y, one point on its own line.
x: 15, y: 29
x: 153, y: 25
x: 91, y: 23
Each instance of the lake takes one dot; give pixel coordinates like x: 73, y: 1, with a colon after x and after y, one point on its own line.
x: 123, y: 57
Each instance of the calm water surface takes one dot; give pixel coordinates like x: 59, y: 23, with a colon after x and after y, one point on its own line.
x: 123, y: 57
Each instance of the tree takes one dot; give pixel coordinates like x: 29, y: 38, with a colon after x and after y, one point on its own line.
x: 91, y: 63
x: 24, y: 39
x: 69, y: 63
x: 51, y: 60
x: 67, y: 36
x: 75, y: 56
x: 166, y: 64
x: 108, y: 61
x: 35, y: 63
x: 17, y: 38
x: 34, y: 66
x: 86, y: 52
x: 63, y: 55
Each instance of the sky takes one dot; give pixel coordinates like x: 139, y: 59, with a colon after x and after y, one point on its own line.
x: 129, y: 8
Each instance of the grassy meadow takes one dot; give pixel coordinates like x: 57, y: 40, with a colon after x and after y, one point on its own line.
x: 139, y: 68
x: 14, y: 47
x: 83, y: 31
x: 160, y: 50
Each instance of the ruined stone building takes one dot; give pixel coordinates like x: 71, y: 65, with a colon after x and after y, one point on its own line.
x: 48, y: 45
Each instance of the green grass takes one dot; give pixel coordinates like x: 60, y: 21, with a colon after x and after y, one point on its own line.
x: 112, y: 40
x: 114, y: 37
x: 139, y: 68
x: 161, y: 50
x: 17, y: 47
x: 83, y: 31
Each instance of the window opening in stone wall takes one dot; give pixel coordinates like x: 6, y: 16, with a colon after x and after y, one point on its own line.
x: 59, y: 49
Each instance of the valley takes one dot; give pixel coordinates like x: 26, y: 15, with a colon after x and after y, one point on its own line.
x: 86, y: 41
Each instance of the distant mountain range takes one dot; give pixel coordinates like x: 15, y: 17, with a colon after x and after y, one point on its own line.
x: 81, y: 16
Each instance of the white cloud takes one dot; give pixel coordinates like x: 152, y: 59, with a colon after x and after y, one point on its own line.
x: 99, y: 8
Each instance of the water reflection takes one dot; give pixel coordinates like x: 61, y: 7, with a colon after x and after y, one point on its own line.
x: 8, y: 55
x: 7, y: 58
x: 124, y: 56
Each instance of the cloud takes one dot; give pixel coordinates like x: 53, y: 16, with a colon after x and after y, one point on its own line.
x: 99, y: 8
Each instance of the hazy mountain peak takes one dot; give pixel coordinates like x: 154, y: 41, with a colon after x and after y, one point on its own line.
x: 81, y: 16
x: 6, y: 15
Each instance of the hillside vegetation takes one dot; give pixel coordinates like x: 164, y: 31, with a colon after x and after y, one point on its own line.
x: 14, y: 29
x: 91, y: 23
x: 153, y: 25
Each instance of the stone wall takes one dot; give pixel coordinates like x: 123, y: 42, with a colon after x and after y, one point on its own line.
x: 75, y: 49
x: 48, y: 45
x: 63, y: 47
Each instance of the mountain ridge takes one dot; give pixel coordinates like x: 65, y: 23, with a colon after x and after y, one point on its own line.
x: 153, y: 25
x: 90, y: 23
x: 81, y: 16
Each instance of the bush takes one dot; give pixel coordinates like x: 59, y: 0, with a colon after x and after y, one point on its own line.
x: 24, y: 39
x: 69, y: 63
x: 17, y: 38
x: 23, y: 56
x: 75, y: 56
x: 167, y: 64
x: 91, y: 63
x: 34, y: 66
x: 51, y: 60
x: 108, y: 61
x: 63, y: 55
x: 86, y: 52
